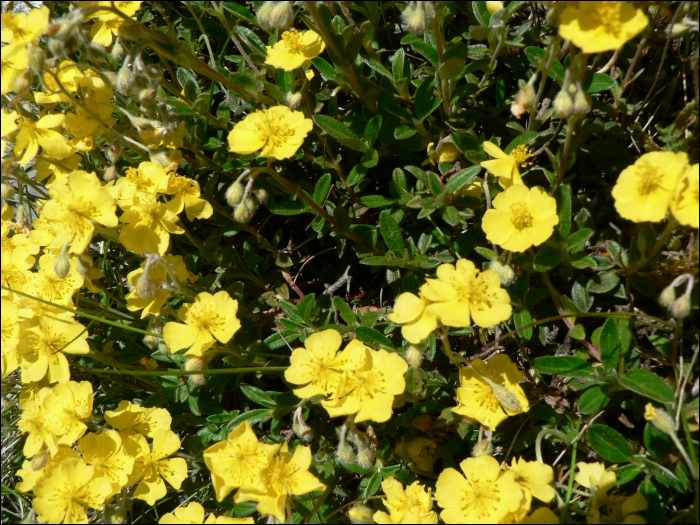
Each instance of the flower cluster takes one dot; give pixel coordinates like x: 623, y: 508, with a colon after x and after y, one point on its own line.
x: 459, y: 294
x: 266, y: 474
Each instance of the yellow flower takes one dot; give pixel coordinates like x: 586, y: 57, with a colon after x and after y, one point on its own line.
x: 644, y: 190
x: 368, y: 390
x: 106, y: 453
x: 186, y: 194
x: 506, y: 166
x: 148, y: 225
x: 158, y: 274
x: 318, y: 366
x: 419, y: 450
x: 489, y: 392
x: 621, y: 510
x: 75, y: 204
x: 238, y: 460
x: 295, y: 49
x: 44, y: 341
x: 445, y: 152
x: 9, y: 122
x: 194, y: 513
x: 29, y: 472
x: 417, y: 321
x: 536, y: 478
x: 151, y: 464
x: 279, y: 131
x: 23, y: 28
x: 601, y: 26
x: 492, y: 7
x: 541, y: 516
x: 134, y: 418
x: 68, y: 406
x: 66, y: 490
x: 108, y: 23
x: 520, y: 218
x: 45, y: 168
x: 461, y: 293
x: 285, y: 474
x: 209, y: 318
x: 14, y: 62
x: 410, y: 505
x: 34, y: 421
x: 149, y: 177
x: 41, y: 133
x: 486, y: 495
x: 598, y: 479
x: 10, y: 337
x: 49, y: 286
x: 685, y: 205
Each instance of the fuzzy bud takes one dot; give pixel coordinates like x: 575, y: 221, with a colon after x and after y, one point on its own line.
x: 151, y: 341
x: 492, y: 7
x: 482, y: 448
x: 147, y: 95
x: 678, y: 29
x: 195, y: 363
x: 417, y: 16
x: 39, y: 461
x: 660, y: 419
x: 21, y: 216
x: 84, y: 267
x: 523, y: 101
x: 61, y: 265
x: 506, y: 398
x: 118, y: 50
x: 261, y: 194
x: 144, y: 286
x: 346, y: 453
x: 507, y: 275
x: 23, y: 82
x: 300, y: 428
x: 245, y: 210
x: 234, y: 194
x: 8, y: 191
x: 110, y: 173
x: 115, y: 513
x: 37, y: 58
x: 125, y: 79
x: 360, y: 514
x: 294, y: 99
x: 681, y: 307
x: 668, y: 296
x: 582, y: 103
x: 365, y: 457
x: 414, y: 357
x: 276, y: 15
x: 563, y: 104
x: 163, y: 347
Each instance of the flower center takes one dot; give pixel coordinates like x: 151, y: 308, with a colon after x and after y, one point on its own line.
x: 292, y: 39
x: 649, y: 179
x: 521, y: 154
x: 608, y: 15
x: 205, y: 318
x: 273, y: 129
x: 520, y: 216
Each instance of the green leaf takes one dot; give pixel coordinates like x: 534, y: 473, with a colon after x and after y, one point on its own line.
x: 536, y: 54
x: 522, y: 317
x: 288, y: 208
x: 648, y: 384
x: 460, y: 180
x: 578, y: 332
x: 424, y: 99
x: 582, y: 300
x: 603, y: 282
x: 258, y: 415
x: 655, y: 441
x: 291, y: 311
x: 390, y: 231
x: 546, y: 259
x: 327, y: 71
x: 241, y: 11
x: 525, y: 138
x: 577, y: 241
x: 427, y: 51
x: 450, y: 215
x: 615, y: 342
x: 403, y: 132
x: 593, y: 400
x: 372, y: 129
x: 601, y: 82
x: 608, y: 443
x: 258, y: 396
x: 563, y: 196
x: 373, y: 337
x: 422, y: 112
x: 564, y: 365
x: 305, y: 307
x: 323, y: 186
x: 481, y: 13
x: 376, y: 201
x: 345, y: 311
x: 397, y: 63
x: 335, y: 128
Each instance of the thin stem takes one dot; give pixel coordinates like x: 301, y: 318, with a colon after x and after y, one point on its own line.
x: 571, y: 485
x: 207, y: 372
x: 492, y: 63
x: 538, y: 441
x: 564, y: 156
x: 680, y: 396
x: 440, y: 42
x: 670, y: 225
x: 204, y: 32
x: 545, y: 75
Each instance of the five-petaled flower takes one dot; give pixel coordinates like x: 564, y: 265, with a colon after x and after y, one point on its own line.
x: 295, y: 49
x: 412, y: 504
x: 506, y: 166
x: 411, y: 311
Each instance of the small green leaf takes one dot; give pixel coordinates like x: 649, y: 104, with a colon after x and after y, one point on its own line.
x: 647, y: 384
x: 288, y: 208
x: 390, y: 231
x: 327, y: 71
x: 335, y: 128
x: 523, y: 139
x: 601, y: 82
x: 376, y: 201
x: 577, y: 241
x: 427, y: 51
x: 655, y: 441
x: 582, y: 300
x: 323, y: 186
x: 564, y: 365
x: 403, y: 132
x: 603, y: 282
x: 536, y: 54
x: 609, y: 443
x: 291, y: 311
x: 593, y: 400
x: 615, y: 342
x: 345, y: 311
x: 546, y: 259
x: 522, y: 317
x: 373, y: 337
x: 563, y: 197
x: 578, y: 332
x: 305, y: 307
x: 372, y: 129
x: 258, y: 396
x: 460, y: 180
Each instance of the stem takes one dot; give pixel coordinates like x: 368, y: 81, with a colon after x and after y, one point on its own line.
x: 564, y: 156
x: 545, y: 75
x: 492, y: 63
x: 538, y: 442
x: 638, y: 265
x: 571, y: 485
x: 680, y: 395
x: 454, y: 358
x: 440, y: 42
x: 208, y: 372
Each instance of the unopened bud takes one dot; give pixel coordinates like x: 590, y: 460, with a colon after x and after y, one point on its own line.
x: 482, y: 448
x: 346, y: 453
x: 507, y: 399
x: 21, y: 216
x: 507, y: 275
x: 115, y: 513
x: 61, y: 265
x: 110, y: 174
x: 8, y: 191
x: 147, y: 95
x: 151, y: 341
x: 234, y: 194
x: 37, y: 58
x: 95, y: 51
x: 492, y: 7
x: 118, y: 50
x: 678, y: 29
x: 300, y: 428
x: 360, y: 514
x: 195, y: 363
x: 414, y: 357
x: 681, y: 307
x: 276, y: 15
x: 563, y: 104
x: 660, y: 419
x: 668, y: 295
x: 57, y: 48
x: 23, y: 82
x: 582, y: 104
x: 417, y: 16
x: 523, y: 101
x: 39, y: 461
x: 84, y: 267
x: 261, y: 194
x: 245, y: 211
x: 144, y: 286
x: 125, y: 79
x: 365, y: 457
x: 163, y: 347
x: 294, y: 99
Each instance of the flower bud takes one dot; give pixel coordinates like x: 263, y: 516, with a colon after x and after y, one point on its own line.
x: 507, y: 274
x: 294, y: 99
x: 563, y: 104
x: 261, y: 194
x: 660, y: 419
x: 95, y: 51
x: 125, y: 79
x: 414, y: 357
x: 234, y: 194
x: 245, y: 210
x: 582, y: 104
x: 276, y: 15
x: 360, y: 514
x: 300, y: 428
x: 523, y: 101
x: 417, y: 16
x: 110, y: 174
x: 39, y: 461
x: 483, y: 448
x: 507, y: 399
x: 492, y: 7
x: 115, y: 513
x: 194, y: 363
x: 23, y: 82
x: 668, y: 296
x: 61, y: 265
x: 118, y: 50
x: 84, y: 267
x: 147, y: 95
x: 681, y: 307
x: 8, y: 191
x: 163, y: 347
x: 678, y: 29
x: 346, y: 453
x: 365, y: 457
x: 21, y: 216
x: 144, y: 286
x: 37, y: 58
x: 151, y: 341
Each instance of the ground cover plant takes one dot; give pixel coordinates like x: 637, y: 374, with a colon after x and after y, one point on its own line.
x: 392, y: 262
